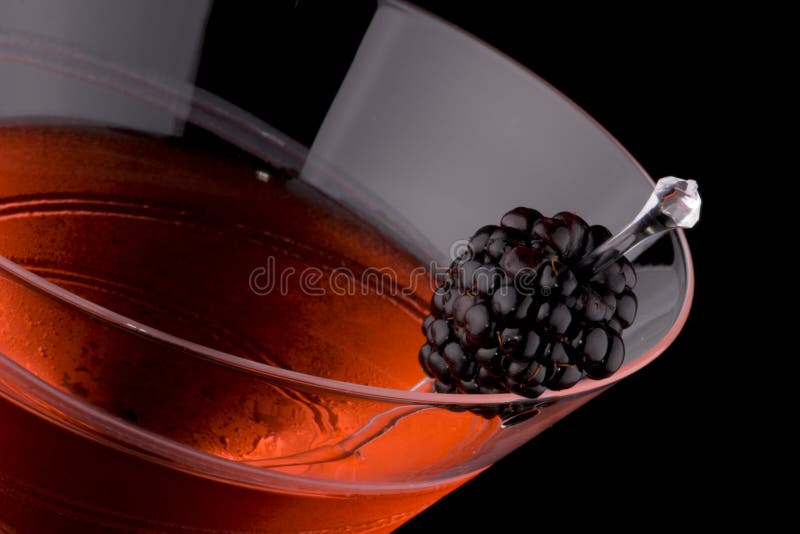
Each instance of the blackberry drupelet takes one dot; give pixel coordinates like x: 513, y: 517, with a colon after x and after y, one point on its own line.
x: 515, y: 314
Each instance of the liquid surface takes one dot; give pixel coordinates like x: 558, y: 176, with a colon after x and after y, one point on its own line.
x: 177, y: 240
x: 190, y: 243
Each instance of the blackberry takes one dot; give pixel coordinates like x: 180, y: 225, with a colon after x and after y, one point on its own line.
x: 516, y: 314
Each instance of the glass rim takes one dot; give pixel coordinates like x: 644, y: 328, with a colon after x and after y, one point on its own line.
x: 256, y: 137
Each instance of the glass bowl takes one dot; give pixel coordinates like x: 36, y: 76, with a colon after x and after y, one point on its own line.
x: 205, y: 326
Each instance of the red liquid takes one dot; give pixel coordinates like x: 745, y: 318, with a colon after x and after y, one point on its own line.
x: 170, y: 238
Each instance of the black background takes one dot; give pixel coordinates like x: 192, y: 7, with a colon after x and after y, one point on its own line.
x: 670, y: 85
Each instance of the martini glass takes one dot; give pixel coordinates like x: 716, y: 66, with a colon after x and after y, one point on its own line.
x: 199, y: 317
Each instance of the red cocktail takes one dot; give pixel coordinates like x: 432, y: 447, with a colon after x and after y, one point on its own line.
x: 196, y: 340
